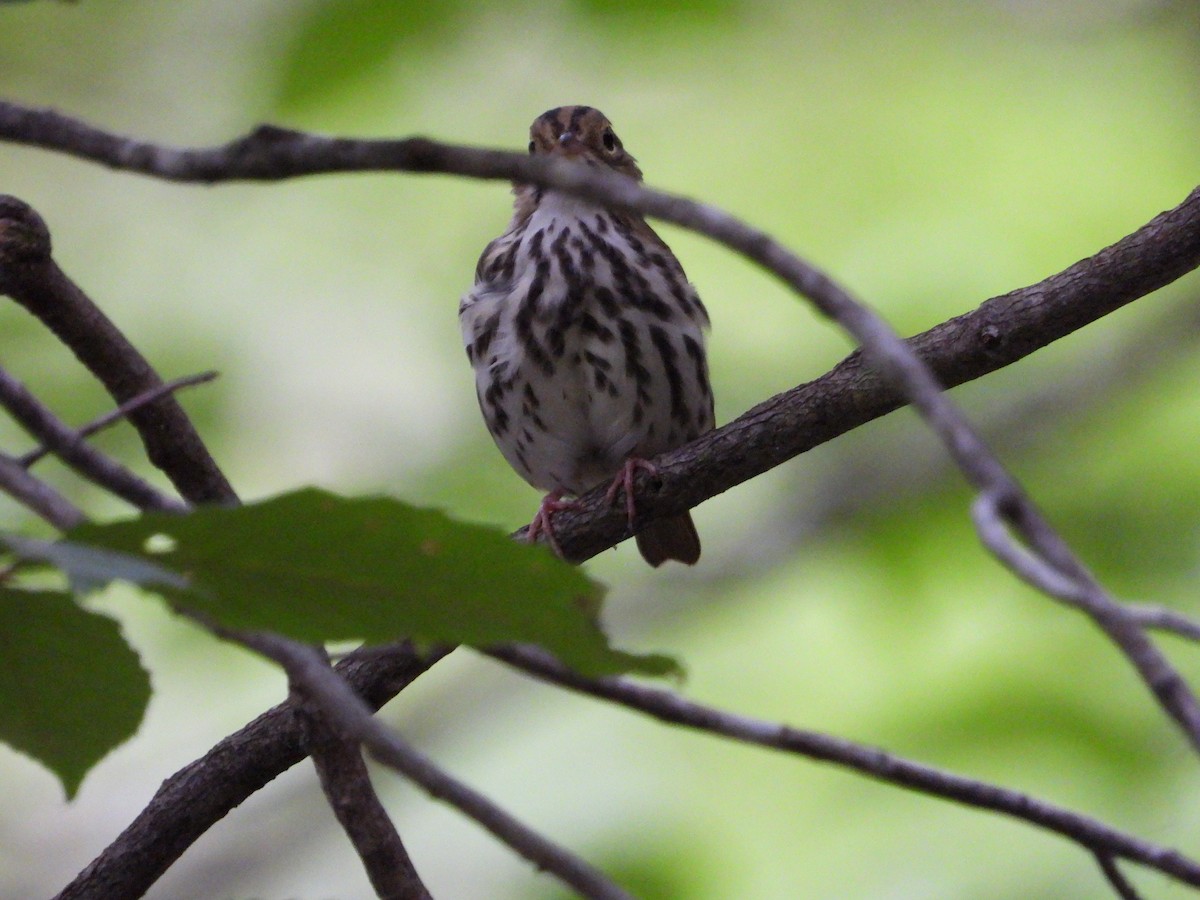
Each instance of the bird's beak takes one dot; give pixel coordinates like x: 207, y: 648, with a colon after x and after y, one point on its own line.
x: 568, y: 144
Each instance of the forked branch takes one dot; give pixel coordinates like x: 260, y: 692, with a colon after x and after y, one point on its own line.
x: 342, y: 709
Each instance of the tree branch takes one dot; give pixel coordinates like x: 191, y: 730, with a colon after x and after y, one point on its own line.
x: 30, y: 276
x: 69, y: 445
x: 1161, y: 618
x: 347, y: 786
x: 857, y: 480
x: 344, y: 710
x: 1001, y: 331
x: 1113, y: 874
x: 1102, y: 840
x: 1076, y: 588
x: 199, y: 795
x: 113, y: 416
x: 37, y: 496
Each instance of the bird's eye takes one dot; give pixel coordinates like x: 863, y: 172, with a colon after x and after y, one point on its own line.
x: 610, y: 141
x: 532, y: 147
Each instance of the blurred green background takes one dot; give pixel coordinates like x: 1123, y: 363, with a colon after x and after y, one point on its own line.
x: 929, y: 155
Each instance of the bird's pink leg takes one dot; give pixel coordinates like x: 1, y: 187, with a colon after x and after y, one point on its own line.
x: 551, y: 503
x: 624, y: 481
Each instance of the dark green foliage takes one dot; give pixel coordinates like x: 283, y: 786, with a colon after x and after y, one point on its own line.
x: 71, y: 689
x: 309, y: 565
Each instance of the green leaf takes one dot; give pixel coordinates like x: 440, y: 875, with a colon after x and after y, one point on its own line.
x: 318, y: 568
x: 71, y: 689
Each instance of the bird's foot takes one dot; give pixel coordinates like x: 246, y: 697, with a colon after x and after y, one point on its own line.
x: 624, y: 482
x: 541, y: 524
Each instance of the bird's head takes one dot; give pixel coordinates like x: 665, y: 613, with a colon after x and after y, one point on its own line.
x: 582, y: 133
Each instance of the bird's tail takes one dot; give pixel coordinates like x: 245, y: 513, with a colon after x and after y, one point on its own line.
x: 673, y: 538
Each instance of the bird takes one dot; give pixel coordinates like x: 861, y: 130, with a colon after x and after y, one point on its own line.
x: 587, y: 341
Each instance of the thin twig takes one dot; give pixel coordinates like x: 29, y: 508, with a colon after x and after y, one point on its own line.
x: 993, y: 531
x: 1161, y: 618
x: 1076, y: 588
x: 68, y: 444
x: 1035, y: 571
x: 875, y: 763
x: 1125, y: 890
x: 344, y: 710
x: 114, y: 416
x: 38, y: 496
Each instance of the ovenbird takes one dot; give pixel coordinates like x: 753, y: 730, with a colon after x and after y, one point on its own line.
x: 587, y: 340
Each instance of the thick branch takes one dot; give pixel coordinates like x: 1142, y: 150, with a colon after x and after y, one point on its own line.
x: 30, y: 276
x: 1014, y: 423
x: 669, y: 707
x: 1001, y: 331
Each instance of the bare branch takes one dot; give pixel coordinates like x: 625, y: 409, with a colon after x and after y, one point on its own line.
x: 875, y: 763
x: 199, y: 795
x: 347, y: 786
x: 37, y: 495
x: 30, y: 276
x: 1077, y: 588
x: 345, y: 711
x: 1163, y: 619
x: 113, y: 416
x: 859, y: 479
x: 60, y: 438
x: 1119, y: 882
x: 1029, y: 567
